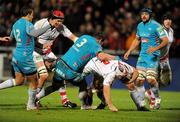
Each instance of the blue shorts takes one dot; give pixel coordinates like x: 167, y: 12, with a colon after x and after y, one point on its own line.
x: 148, y: 62
x: 25, y: 66
x: 64, y: 72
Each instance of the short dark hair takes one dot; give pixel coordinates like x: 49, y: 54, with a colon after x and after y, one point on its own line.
x: 99, y: 36
x: 167, y: 16
x: 26, y: 10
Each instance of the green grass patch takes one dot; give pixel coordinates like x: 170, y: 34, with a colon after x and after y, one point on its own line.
x: 13, y: 103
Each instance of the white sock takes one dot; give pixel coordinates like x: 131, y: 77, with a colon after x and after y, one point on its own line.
x: 82, y: 95
x: 41, y: 94
x: 155, y: 90
x: 8, y: 83
x: 32, y: 95
x: 141, y: 91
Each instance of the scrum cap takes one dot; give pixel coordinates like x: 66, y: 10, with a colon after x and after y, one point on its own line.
x: 57, y: 14
x: 148, y: 10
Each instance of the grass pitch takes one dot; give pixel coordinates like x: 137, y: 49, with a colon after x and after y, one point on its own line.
x: 13, y: 100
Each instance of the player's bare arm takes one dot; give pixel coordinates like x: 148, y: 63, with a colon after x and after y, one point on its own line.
x: 134, y: 76
x: 73, y: 37
x: 134, y: 45
x: 6, y: 38
x: 104, y: 56
x: 107, y: 95
x: 162, y: 44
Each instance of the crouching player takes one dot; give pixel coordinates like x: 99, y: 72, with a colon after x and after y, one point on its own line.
x: 115, y: 70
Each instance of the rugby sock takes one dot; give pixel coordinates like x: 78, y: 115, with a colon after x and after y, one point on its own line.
x: 136, y: 98
x: 32, y: 95
x: 141, y: 91
x: 82, y: 95
x: 150, y: 94
x: 40, y: 94
x: 62, y: 93
x: 46, y: 91
x: 155, y: 90
x: 8, y: 83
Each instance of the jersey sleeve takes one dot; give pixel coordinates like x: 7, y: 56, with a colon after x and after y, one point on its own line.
x: 30, y: 30
x: 11, y: 35
x: 29, y: 27
x: 137, y: 32
x: 160, y: 31
x: 88, y: 68
x: 65, y: 31
x: 108, y: 80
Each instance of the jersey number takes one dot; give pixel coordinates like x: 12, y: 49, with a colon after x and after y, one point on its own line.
x: 81, y: 43
x: 105, y: 62
x: 18, y: 35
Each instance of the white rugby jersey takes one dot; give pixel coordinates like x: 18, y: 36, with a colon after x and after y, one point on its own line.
x: 165, y: 50
x: 51, y: 34
x: 109, y: 70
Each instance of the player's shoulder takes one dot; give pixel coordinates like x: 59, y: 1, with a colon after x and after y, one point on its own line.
x: 21, y: 23
x: 155, y: 23
x: 140, y: 25
x: 171, y: 30
x: 41, y: 23
x: 87, y: 38
x: 20, y: 20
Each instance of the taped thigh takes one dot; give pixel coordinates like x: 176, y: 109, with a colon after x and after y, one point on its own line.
x: 41, y: 68
x: 141, y: 76
x: 151, y: 74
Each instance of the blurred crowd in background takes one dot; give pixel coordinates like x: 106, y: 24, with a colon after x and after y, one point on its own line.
x: 117, y: 19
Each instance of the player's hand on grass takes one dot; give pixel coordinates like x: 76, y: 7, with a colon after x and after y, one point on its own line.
x: 112, y: 108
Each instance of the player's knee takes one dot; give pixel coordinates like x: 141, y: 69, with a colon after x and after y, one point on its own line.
x: 43, y: 76
x: 131, y: 86
x: 19, y: 82
x: 139, y: 82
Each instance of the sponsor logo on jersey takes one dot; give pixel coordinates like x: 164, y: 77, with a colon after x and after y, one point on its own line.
x: 160, y: 31
x: 144, y: 40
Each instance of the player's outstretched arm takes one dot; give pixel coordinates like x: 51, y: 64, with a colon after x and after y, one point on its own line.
x: 37, y: 32
x: 134, y: 76
x: 162, y: 44
x: 73, y: 37
x: 104, y: 56
x: 107, y: 95
x: 6, y: 38
x: 133, y: 46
